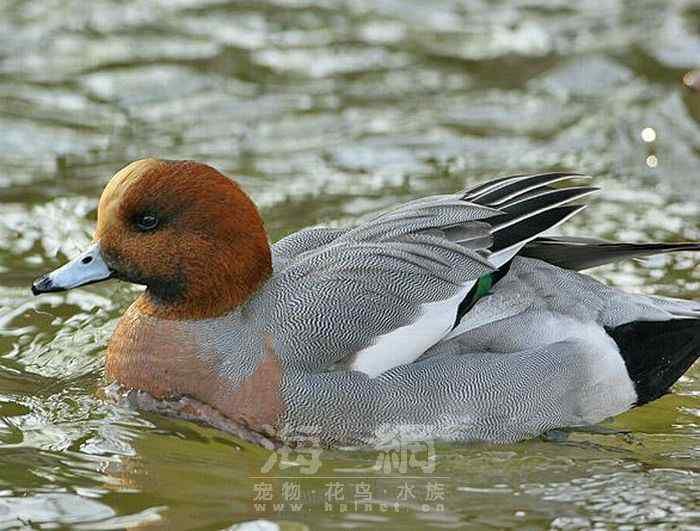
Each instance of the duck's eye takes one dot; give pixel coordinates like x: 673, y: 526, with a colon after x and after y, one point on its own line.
x: 146, y: 222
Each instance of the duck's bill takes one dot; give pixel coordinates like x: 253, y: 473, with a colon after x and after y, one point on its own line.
x: 86, y: 268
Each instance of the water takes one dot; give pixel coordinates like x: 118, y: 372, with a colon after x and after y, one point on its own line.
x: 326, y: 110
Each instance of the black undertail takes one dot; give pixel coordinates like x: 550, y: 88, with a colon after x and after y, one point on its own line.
x: 657, y: 353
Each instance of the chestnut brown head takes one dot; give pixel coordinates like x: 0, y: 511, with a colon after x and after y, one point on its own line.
x: 182, y: 229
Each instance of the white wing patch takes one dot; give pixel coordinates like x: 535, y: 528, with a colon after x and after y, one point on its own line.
x: 406, y: 344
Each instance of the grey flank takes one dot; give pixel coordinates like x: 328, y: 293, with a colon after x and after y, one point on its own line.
x: 531, y: 356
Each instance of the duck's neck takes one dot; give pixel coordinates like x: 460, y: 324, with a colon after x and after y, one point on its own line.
x: 195, y: 294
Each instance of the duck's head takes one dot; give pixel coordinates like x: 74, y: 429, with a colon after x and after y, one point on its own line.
x: 182, y: 229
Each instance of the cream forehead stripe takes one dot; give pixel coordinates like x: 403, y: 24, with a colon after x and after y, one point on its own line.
x: 118, y: 186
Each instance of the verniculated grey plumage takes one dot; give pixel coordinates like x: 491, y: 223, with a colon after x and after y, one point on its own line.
x: 485, y: 380
x: 413, y: 268
x: 503, y: 328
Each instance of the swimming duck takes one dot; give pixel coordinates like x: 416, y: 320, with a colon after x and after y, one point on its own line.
x: 449, y: 316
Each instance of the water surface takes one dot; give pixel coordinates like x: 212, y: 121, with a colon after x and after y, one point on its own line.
x: 326, y: 110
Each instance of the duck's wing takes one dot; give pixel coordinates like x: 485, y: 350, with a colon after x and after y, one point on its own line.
x: 620, y: 337
x: 380, y: 294
x: 302, y: 241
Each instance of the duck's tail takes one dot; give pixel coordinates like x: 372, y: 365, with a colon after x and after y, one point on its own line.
x: 585, y: 253
x: 657, y: 353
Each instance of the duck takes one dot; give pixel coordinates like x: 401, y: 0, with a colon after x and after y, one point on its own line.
x: 451, y: 317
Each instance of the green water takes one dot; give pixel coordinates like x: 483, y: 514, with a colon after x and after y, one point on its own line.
x: 325, y: 110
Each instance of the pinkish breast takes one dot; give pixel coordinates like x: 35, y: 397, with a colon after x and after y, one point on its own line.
x: 164, y: 358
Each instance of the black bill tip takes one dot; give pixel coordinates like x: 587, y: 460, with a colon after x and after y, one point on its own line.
x: 44, y: 285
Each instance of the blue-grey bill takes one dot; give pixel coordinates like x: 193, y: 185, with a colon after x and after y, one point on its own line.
x: 86, y: 268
